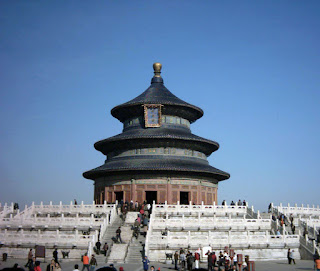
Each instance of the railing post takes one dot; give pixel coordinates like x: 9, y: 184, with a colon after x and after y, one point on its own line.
x: 183, y: 220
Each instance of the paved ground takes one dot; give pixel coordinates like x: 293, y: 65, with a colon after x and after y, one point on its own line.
x: 260, y: 266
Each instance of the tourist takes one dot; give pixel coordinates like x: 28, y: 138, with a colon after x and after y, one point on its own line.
x: 98, y: 246
x: 93, y: 263
x: 190, y: 260
x: 270, y: 208
x: 176, y: 259
x: 211, y: 260
x: 112, y: 267
x: 85, y: 261
x: 105, y: 248
x: 244, y: 203
x: 37, y: 266
x: 197, y: 258
x: 57, y: 267
x: 289, y: 256
x: 293, y: 229
x: 146, y: 263
x: 118, y: 235
x: 30, y: 256
x: 278, y: 232
x: 51, y: 265
x: 244, y: 266
x: 152, y: 268
x: 136, y: 223
x: 291, y: 218
x: 76, y: 267
x: 234, y: 259
x: 75, y: 202
x: 221, y: 259
x: 55, y: 255
x: 232, y: 203
x: 223, y: 202
x: 32, y: 264
x: 239, y: 203
x: 317, y: 263
x: 120, y: 268
x: 182, y: 260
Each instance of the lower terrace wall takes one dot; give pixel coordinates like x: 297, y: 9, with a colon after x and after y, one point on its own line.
x: 22, y: 253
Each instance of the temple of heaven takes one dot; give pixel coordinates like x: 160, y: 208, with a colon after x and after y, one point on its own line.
x: 156, y: 157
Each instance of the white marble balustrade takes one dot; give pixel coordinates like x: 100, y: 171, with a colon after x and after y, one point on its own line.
x: 220, y: 241
x: 205, y: 209
x: 71, y: 208
x: 44, y: 237
x: 207, y: 223
x: 53, y: 222
x: 6, y: 210
x: 297, y: 211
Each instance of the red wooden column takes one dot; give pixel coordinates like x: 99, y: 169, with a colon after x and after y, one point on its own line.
x: 169, y: 192
x: 133, y: 190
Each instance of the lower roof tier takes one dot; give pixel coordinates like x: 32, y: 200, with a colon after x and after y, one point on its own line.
x: 167, y: 165
x: 156, y: 137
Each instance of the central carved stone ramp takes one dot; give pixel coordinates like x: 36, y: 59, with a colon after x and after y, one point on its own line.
x: 119, y: 251
x: 136, y: 250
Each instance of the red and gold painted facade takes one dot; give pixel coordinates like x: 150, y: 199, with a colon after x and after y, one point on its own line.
x: 167, y: 190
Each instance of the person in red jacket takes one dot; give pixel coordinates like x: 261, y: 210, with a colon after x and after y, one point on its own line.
x: 197, y: 259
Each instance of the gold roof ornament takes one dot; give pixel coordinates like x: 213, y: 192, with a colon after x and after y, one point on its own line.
x: 157, y: 69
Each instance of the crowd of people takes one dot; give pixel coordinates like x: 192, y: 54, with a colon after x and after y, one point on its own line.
x: 232, y: 203
x: 186, y: 260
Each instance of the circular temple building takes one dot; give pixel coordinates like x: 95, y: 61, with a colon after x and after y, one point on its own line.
x: 156, y: 157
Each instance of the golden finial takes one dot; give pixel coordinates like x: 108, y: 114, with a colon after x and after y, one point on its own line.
x: 157, y: 69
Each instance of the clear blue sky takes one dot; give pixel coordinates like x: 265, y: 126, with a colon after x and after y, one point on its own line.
x: 252, y: 66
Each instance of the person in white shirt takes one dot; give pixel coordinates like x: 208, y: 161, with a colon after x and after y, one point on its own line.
x: 76, y: 268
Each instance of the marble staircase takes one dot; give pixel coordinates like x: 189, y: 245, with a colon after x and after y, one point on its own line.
x: 107, y: 238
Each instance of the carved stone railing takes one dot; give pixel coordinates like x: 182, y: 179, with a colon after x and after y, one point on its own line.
x: 7, y: 210
x: 296, y: 211
x: 222, y: 240
x: 207, y: 223
x: 52, y: 222
x: 44, y: 237
x: 204, y: 209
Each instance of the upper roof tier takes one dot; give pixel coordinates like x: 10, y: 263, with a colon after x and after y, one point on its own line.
x: 157, y: 93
